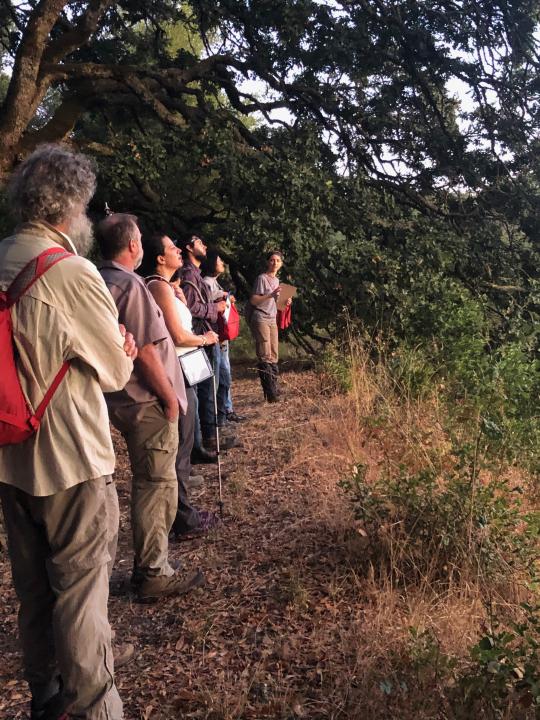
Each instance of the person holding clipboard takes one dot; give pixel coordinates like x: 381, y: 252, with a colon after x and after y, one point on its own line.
x: 261, y: 315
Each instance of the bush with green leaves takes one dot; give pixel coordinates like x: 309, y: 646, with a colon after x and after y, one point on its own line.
x: 503, y: 680
x: 422, y: 526
x: 335, y: 369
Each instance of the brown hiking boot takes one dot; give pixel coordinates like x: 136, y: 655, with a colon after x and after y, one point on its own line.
x: 123, y: 654
x: 225, y: 443
x: 153, y: 588
x: 137, y: 577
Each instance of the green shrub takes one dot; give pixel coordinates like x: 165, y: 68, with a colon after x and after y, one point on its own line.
x: 422, y: 526
x: 503, y: 680
x: 412, y: 370
x: 335, y: 367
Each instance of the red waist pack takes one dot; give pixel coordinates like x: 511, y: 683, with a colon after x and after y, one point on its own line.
x: 229, y: 329
x: 284, y: 318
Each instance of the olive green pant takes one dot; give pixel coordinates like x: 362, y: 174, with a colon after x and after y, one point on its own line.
x: 60, y: 547
x: 152, y: 443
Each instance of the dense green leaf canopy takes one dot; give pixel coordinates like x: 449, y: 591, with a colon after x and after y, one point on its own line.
x: 379, y: 78
x: 388, y: 147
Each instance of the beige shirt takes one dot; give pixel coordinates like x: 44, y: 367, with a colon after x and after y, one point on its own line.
x: 68, y: 314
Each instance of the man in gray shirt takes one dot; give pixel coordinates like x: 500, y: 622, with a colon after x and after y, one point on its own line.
x: 146, y: 412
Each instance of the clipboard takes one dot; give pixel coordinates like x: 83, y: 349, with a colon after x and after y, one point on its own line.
x: 196, y: 366
x: 285, y: 292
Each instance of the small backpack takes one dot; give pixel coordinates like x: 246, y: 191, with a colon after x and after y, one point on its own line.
x: 229, y: 328
x: 284, y: 318
x: 17, y: 421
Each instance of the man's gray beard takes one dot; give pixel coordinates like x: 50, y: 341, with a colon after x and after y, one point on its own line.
x: 81, y: 234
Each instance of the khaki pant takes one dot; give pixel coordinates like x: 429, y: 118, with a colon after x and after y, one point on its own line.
x: 59, y: 548
x: 152, y: 443
x: 266, y: 341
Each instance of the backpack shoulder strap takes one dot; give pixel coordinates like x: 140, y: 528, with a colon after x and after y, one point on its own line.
x: 158, y: 278
x: 149, y: 279
x: 40, y: 411
x: 199, y: 293
x: 32, y: 271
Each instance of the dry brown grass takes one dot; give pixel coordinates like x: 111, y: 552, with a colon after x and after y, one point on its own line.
x: 294, y: 623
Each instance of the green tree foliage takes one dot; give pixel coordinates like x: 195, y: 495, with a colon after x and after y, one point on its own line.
x: 390, y: 194
x: 374, y: 77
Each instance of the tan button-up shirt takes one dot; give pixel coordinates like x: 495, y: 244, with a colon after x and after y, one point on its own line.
x: 68, y: 314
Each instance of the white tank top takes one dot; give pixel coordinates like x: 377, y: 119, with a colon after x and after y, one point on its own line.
x: 186, y: 320
x: 184, y: 315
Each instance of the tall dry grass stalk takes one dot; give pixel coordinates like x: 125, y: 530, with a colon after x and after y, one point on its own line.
x: 385, y: 428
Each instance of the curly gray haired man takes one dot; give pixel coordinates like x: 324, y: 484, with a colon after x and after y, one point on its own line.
x: 59, y: 501
x: 56, y: 186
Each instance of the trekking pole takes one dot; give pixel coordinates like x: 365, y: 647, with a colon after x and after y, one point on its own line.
x: 218, y: 453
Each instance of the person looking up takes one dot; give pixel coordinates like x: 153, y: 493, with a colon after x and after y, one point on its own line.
x: 59, y: 500
x: 205, y: 312
x: 162, y: 259
x: 211, y: 268
x: 146, y: 412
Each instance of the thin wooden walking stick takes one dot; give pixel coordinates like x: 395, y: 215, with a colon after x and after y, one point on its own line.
x: 218, y: 452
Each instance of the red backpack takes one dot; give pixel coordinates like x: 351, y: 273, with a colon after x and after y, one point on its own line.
x: 17, y: 421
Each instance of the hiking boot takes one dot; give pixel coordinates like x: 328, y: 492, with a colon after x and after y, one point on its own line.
x: 154, y: 588
x: 235, y: 417
x: 274, y: 374
x: 225, y: 443
x: 137, y: 577
x: 207, y: 521
x: 123, y: 654
x: 226, y: 431
x: 268, y: 382
x: 201, y: 456
x: 194, y: 482
x: 52, y: 710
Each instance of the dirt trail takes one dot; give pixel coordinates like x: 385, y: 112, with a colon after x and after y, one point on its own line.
x: 275, y: 634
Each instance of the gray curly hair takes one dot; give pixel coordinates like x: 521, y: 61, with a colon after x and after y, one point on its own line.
x: 52, y: 184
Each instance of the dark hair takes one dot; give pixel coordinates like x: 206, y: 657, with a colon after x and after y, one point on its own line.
x: 152, y: 247
x: 184, y: 242
x: 208, y: 265
x: 274, y: 252
x: 114, y: 233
